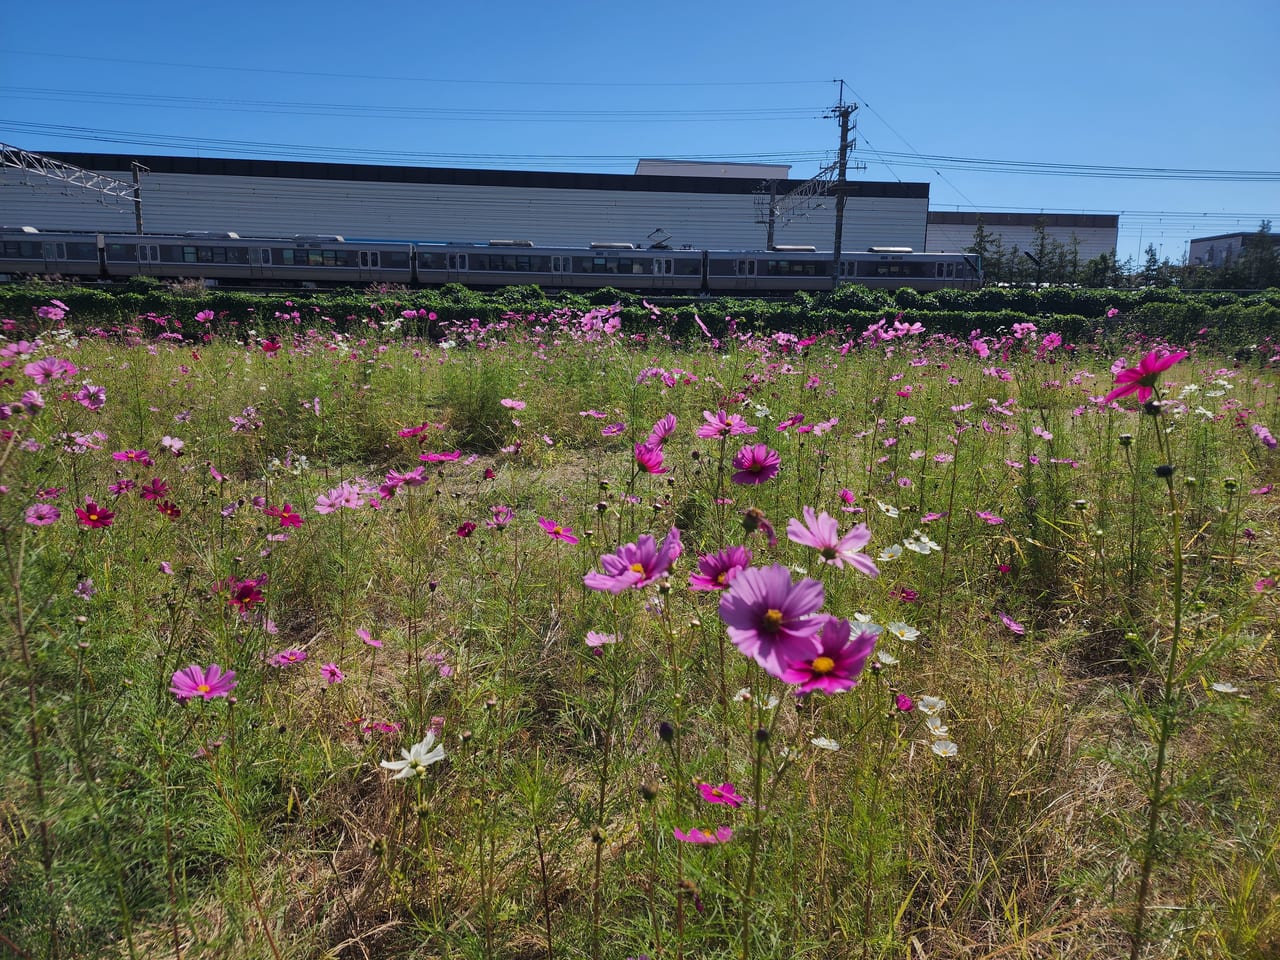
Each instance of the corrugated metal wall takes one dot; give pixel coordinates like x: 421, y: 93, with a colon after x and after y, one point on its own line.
x: 278, y: 206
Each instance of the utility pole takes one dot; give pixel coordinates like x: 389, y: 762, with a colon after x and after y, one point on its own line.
x: 137, y: 193
x: 844, y: 112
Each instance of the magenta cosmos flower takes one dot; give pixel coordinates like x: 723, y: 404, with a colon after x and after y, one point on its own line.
x: 42, y: 514
x: 698, y: 835
x: 717, y: 570
x: 636, y: 564
x: 649, y: 458
x: 207, y: 682
x: 725, y: 793
x: 821, y: 532
x: 47, y: 369
x: 838, y: 663
x: 1142, y: 378
x: 756, y: 464
x: 770, y: 619
x: 94, y: 516
x: 720, y: 425
x: 557, y: 532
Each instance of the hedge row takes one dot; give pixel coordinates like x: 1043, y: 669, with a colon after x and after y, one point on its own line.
x: 1230, y: 320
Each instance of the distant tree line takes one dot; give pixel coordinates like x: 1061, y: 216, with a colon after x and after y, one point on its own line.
x: 1048, y: 260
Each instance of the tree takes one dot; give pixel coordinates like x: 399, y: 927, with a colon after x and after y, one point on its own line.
x: 1259, y: 265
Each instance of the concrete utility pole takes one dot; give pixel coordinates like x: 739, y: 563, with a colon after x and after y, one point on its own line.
x: 844, y: 112
x: 137, y: 193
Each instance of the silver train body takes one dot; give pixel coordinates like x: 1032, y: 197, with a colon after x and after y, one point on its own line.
x: 228, y: 259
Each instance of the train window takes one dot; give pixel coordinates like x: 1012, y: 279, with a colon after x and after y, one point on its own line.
x: 82, y: 251
x: 746, y: 268
x: 21, y: 250
x: 188, y: 254
x: 55, y: 250
x: 689, y: 267
x: 431, y: 261
x: 264, y: 256
x: 663, y: 268
x: 122, y: 251
x: 457, y: 261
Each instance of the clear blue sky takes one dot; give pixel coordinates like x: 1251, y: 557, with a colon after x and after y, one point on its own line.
x: 1174, y: 86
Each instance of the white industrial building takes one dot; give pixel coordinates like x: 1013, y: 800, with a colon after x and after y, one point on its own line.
x: 665, y: 204
x: 952, y: 231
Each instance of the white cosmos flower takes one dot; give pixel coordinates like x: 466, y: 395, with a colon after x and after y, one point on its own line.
x: 944, y: 748
x: 416, y: 759
x: 825, y: 743
x: 931, y: 706
x: 887, y: 509
x: 936, y: 726
x: 902, y: 631
x: 891, y: 553
x: 886, y: 658
x: 1223, y: 687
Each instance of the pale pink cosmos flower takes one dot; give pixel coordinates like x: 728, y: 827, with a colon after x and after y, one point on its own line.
x: 206, y: 682
x: 771, y: 619
x: 720, y: 425
x: 557, y: 532
x: 821, y: 532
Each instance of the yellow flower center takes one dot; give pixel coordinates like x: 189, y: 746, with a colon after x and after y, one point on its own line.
x: 772, y: 619
x: 636, y: 568
x: 203, y: 688
x: 823, y: 665
x: 720, y: 579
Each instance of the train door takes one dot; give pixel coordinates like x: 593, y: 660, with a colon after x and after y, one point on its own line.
x: 456, y: 267
x: 148, y: 258
x: 664, y: 270
x: 746, y: 273
x: 561, y: 269
x: 370, y: 264
x: 55, y: 254
x: 260, y: 263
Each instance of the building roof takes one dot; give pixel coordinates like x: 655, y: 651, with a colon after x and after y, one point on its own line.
x: 307, y: 170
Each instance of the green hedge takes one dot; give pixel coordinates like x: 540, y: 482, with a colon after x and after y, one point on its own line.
x: 1228, y: 319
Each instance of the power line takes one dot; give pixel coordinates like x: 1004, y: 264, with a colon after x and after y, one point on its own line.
x: 384, y: 112
x: 186, y: 68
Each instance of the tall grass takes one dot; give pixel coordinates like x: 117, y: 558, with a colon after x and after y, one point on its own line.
x: 1062, y: 746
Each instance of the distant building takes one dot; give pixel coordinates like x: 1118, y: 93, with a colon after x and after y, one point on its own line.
x: 704, y: 168
x: 952, y: 232
x: 1223, y: 250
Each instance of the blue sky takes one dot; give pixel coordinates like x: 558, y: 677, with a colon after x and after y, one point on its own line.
x: 1060, y: 89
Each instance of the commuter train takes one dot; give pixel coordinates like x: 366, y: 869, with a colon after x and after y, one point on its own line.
x: 228, y: 259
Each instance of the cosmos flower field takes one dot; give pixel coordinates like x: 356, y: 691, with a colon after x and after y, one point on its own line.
x: 551, y: 637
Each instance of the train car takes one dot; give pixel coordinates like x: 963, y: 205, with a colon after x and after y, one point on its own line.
x: 501, y: 263
x: 316, y: 261
x: 26, y: 252
x: 227, y: 257
x: 790, y: 269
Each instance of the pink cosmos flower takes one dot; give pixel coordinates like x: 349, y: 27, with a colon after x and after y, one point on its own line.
x: 839, y: 661
x: 636, y: 564
x: 1142, y: 378
x: 720, y: 425
x: 512, y: 404
x: 557, y: 532
x: 698, y: 835
x: 717, y: 570
x: 441, y: 457
x: 596, y: 640
x: 42, y: 514
x: 770, y: 619
x: 154, y: 489
x: 207, y: 682
x: 287, y: 658
x: 134, y: 456
x: 367, y: 638
x: 502, y: 515
x: 661, y: 431
x: 613, y: 429
x: 47, y: 369
x: 756, y: 464
x: 649, y: 458
x: 725, y: 793
x: 332, y: 674
x: 1012, y: 624
x: 245, y: 594
x: 822, y: 533
x: 989, y: 517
